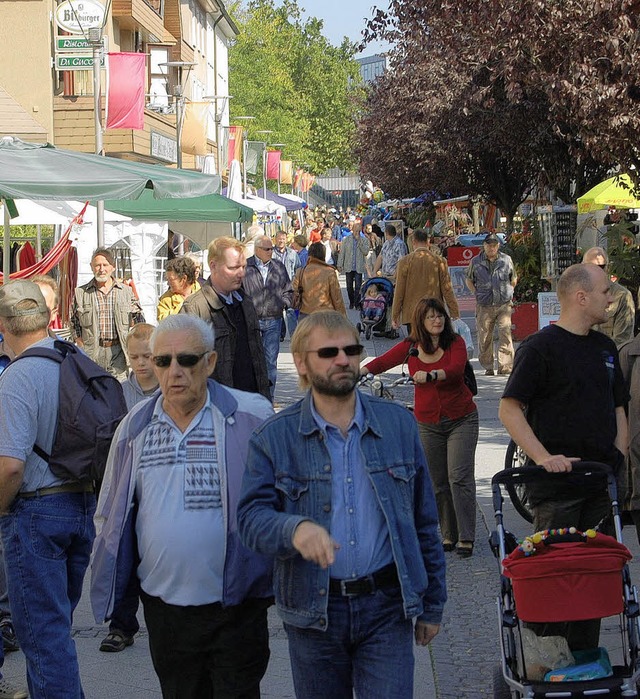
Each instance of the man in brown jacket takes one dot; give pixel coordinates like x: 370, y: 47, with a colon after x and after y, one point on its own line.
x: 420, y: 274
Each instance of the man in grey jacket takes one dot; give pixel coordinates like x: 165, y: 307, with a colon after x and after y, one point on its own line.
x: 351, y: 261
x: 268, y: 285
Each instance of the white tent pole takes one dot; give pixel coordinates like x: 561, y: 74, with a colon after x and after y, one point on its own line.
x: 6, y: 258
x: 38, y: 242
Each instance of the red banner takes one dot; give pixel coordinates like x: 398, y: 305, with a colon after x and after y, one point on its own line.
x: 273, y: 164
x: 125, y: 94
x: 235, y: 144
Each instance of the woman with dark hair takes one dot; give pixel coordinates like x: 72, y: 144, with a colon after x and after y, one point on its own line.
x: 446, y: 414
x: 316, y: 284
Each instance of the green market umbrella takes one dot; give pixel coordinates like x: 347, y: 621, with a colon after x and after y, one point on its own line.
x: 211, y: 207
x: 40, y: 171
x: 616, y: 191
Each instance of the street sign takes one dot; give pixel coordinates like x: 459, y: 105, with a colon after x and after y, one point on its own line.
x: 69, y: 61
x: 76, y: 16
x: 78, y: 43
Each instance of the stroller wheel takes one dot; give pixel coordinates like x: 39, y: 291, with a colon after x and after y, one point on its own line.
x: 501, y: 689
x: 367, y: 333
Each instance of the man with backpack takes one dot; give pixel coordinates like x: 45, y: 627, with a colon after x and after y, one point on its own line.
x: 47, y: 510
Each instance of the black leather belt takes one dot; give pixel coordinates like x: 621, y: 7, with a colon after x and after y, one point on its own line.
x: 53, y: 490
x: 108, y: 343
x: 384, y: 578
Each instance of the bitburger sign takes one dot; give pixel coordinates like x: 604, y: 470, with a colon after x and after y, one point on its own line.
x: 76, y: 16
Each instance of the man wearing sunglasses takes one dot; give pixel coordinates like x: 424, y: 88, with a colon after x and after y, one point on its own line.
x: 167, y: 515
x: 268, y: 285
x: 336, y: 489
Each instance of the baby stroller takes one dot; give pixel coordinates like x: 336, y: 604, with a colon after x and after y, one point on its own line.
x: 377, y: 322
x: 564, y: 576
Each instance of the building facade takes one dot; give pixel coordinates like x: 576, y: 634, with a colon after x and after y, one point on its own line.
x: 41, y: 102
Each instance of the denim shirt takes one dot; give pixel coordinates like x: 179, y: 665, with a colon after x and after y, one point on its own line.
x: 288, y: 480
x: 357, y: 523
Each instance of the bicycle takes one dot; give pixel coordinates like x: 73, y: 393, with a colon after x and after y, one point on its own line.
x: 382, y: 389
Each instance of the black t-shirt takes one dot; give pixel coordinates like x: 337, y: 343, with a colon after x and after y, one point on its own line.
x: 571, y: 385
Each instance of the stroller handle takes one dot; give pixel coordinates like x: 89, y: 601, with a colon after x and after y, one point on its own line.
x: 532, y: 474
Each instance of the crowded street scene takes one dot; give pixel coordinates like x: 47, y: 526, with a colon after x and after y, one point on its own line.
x: 318, y: 341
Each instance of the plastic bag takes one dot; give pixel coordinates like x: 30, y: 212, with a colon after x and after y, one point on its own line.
x: 544, y: 653
x: 463, y: 330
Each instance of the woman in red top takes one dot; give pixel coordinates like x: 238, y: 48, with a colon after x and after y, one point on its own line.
x: 447, y: 417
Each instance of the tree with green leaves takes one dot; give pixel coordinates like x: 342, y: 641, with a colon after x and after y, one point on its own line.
x: 287, y: 75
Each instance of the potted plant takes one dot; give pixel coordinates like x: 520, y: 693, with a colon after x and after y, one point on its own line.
x: 525, y: 249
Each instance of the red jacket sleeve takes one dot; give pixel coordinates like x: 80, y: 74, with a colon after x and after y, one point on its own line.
x: 396, y: 355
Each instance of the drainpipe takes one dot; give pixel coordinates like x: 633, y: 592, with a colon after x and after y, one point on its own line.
x: 215, y: 92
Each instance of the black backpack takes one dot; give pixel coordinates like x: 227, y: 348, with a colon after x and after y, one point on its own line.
x: 91, y: 404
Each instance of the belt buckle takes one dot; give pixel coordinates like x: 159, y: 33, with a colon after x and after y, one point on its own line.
x: 343, y: 588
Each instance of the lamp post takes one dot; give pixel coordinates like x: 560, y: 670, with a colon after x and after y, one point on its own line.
x: 244, y: 153
x: 265, y: 132
x: 178, y: 93
x: 94, y: 38
x: 218, y: 121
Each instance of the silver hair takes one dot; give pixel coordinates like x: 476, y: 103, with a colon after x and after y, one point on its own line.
x: 183, y: 322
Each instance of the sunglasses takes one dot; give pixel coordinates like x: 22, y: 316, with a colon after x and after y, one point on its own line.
x: 331, y: 352
x: 184, y: 359
x: 267, y: 249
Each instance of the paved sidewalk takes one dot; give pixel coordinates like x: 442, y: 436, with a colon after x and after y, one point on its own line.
x: 459, y: 662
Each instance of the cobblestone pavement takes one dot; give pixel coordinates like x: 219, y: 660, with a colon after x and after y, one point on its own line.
x: 460, y: 661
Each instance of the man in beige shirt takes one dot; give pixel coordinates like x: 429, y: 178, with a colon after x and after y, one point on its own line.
x: 420, y: 274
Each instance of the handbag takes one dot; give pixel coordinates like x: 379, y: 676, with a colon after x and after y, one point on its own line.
x: 470, y: 379
x: 296, y: 303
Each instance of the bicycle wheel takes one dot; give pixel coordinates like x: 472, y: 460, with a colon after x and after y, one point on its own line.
x: 516, y: 458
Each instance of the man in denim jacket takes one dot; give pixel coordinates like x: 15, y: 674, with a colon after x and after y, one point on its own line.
x: 336, y: 488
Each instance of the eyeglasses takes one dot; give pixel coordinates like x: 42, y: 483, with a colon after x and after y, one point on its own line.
x: 266, y: 249
x: 437, y: 316
x: 184, y: 359
x: 331, y: 352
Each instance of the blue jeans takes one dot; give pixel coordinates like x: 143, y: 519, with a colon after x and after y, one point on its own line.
x: 270, y: 332
x: 47, y: 544
x: 289, y: 323
x: 367, y: 647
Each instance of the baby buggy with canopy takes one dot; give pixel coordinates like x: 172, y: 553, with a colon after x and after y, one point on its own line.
x: 376, y: 298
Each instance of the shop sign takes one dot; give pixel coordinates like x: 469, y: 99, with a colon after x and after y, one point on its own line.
x: 164, y: 147
x: 76, y: 16
x: 69, y: 61
x: 78, y: 43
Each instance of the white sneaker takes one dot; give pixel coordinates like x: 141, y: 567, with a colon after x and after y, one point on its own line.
x: 9, y: 691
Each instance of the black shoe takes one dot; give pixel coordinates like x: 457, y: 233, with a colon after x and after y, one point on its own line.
x: 9, y: 639
x: 351, y: 306
x: 115, y: 642
x: 392, y: 334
